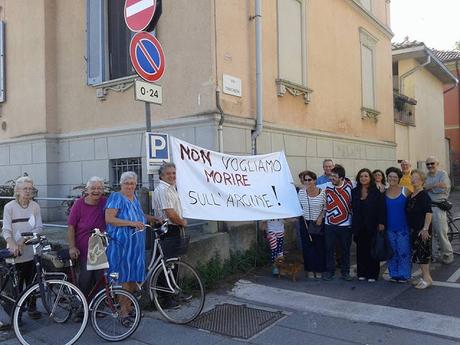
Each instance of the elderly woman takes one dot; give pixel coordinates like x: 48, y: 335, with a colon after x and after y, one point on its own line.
x: 369, y: 216
x: 419, y: 215
x: 19, y: 216
x: 86, y: 214
x: 313, y: 201
x: 125, y: 220
x: 396, y: 196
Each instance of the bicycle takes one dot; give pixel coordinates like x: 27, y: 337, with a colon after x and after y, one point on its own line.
x: 104, y: 303
x: 55, y: 300
x: 454, y: 229
x: 173, y: 285
x: 9, y: 282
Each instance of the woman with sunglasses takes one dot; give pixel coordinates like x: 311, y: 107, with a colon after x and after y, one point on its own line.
x: 313, y: 201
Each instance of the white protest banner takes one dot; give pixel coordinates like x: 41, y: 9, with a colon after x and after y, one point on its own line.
x: 217, y: 186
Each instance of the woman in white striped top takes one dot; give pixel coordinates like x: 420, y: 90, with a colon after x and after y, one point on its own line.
x: 313, y: 202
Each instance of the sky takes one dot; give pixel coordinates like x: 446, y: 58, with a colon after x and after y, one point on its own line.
x: 434, y: 22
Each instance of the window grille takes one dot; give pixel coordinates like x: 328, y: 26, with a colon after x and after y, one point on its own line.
x: 119, y: 166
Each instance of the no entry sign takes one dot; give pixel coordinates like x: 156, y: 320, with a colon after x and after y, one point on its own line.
x: 139, y: 13
x: 147, y: 56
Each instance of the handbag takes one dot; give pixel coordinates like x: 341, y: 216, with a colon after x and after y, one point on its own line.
x: 96, y: 259
x: 313, y: 228
x: 444, y: 205
x: 380, y: 247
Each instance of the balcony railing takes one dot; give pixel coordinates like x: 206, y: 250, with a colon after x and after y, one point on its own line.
x: 404, y: 109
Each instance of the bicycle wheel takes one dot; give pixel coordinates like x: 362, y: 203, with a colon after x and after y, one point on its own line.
x: 454, y: 230
x: 43, y: 315
x: 107, y: 318
x: 182, y: 299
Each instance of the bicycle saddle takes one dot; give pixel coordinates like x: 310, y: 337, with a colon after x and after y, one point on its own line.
x: 6, y: 254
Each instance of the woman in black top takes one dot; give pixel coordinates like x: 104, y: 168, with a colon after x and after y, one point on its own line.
x: 419, y: 215
x: 369, y: 216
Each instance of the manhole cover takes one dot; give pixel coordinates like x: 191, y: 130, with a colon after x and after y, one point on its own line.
x: 237, y: 321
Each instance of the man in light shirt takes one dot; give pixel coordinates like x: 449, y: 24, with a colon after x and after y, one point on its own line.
x: 328, y: 165
x: 437, y: 185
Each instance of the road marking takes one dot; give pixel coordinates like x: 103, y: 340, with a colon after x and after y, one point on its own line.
x: 447, y: 284
x: 454, y: 277
x: 356, y: 311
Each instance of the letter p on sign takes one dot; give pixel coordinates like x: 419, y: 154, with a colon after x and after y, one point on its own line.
x: 157, y: 149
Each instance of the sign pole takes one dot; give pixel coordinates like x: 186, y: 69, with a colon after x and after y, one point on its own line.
x: 148, y: 126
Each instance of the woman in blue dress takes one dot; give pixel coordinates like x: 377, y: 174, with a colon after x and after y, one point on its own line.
x: 125, y: 220
x: 399, y: 266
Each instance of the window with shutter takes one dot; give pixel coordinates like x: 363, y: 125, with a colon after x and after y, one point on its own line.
x: 107, y: 41
x: 291, y: 41
x: 368, y: 44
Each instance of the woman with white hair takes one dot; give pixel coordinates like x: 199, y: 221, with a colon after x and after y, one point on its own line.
x: 126, y: 250
x: 87, y: 213
x: 19, y: 216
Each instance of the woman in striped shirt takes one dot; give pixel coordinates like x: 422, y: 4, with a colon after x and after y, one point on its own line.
x: 313, y: 201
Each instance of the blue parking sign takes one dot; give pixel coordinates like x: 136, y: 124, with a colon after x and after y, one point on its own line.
x: 157, y: 149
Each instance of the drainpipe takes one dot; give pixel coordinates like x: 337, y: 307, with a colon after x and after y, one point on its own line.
x: 408, y: 73
x: 457, y: 68
x: 220, y: 133
x: 259, y: 113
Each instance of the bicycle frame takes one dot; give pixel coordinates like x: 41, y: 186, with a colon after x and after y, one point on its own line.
x: 156, y: 262
x: 12, y: 276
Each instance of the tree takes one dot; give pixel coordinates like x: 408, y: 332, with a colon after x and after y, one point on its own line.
x: 457, y: 45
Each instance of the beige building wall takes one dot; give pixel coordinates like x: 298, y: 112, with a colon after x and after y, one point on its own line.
x: 333, y: 68
x: 426, y: 138
x: 61, y: 131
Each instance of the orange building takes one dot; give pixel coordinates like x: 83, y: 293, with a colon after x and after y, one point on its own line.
x: 452, y: 111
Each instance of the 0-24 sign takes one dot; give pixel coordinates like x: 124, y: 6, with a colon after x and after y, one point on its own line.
x: 148, y: 92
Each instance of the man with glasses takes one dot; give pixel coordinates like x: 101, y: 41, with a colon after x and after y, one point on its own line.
x: 405, y: 181
x: 437, y: 185
x: 328, y: 164
x: 338, y: 222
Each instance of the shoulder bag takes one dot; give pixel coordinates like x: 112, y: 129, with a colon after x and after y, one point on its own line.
x: 313, y: 228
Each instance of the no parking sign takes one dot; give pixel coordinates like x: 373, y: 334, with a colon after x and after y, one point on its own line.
x: 147, y: 56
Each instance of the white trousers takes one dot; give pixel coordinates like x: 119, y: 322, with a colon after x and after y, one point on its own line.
x: 440, y: 245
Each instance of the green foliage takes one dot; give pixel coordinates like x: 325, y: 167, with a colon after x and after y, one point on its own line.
x: 216, y: 270
x: 6, y: 189
x: 457, y: 45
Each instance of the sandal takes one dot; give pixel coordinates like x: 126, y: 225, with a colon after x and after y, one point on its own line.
x: 415, y: 282
x: 422, y: 285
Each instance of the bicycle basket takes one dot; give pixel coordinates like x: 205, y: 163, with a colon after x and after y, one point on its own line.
x: 51, y: 261
x: 175, y: 246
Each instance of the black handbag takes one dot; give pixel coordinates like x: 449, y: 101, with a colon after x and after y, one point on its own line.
x: 444, y: 205
x: 380, y: 247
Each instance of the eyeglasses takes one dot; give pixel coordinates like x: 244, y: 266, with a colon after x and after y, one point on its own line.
x: 308, y: 179
x: 430, y: 163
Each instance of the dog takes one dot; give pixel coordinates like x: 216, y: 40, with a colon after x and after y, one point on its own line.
x: 288, y: 267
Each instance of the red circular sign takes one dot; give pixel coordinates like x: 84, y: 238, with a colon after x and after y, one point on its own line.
x: 147, y: 56
x: 139, y: 13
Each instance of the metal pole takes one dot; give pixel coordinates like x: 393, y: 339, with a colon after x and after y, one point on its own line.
x: 148, y: 127
x: 148, y: 120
